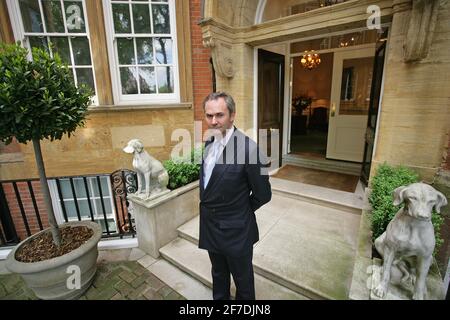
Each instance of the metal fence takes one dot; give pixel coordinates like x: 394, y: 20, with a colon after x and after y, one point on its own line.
x: 100, y: 198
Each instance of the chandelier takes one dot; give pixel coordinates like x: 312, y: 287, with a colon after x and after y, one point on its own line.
x: 310, y: 60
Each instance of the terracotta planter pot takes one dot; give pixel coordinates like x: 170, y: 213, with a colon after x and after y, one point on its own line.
x: 49, y: 278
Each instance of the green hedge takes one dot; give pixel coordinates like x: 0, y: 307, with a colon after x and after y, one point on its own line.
x: 183, y: 171
x: 385, y: 181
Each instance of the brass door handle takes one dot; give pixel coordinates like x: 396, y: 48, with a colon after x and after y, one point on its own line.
x: 333, y: 109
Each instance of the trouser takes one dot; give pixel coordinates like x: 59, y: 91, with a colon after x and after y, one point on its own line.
x: 241, y: 268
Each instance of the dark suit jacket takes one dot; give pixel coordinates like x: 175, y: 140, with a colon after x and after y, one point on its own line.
x: 234, y: 192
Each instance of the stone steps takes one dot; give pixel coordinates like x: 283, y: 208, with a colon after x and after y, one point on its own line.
x: 336, y: 199
x: 307, y: 244
x: 186, y: 256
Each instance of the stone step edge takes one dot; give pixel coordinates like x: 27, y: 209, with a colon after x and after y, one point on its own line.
x: 318, y: 201
x: 300, y: 289
x: 187, y: 237
x: 182, y: 267
x: 307, y: 292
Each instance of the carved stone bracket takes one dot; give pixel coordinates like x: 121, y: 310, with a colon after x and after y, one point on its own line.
x: 221, y: 55
x: 421, y: 29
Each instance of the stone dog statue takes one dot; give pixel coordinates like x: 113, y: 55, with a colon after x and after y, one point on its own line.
x: 150, y: 171
x: 407, y: 244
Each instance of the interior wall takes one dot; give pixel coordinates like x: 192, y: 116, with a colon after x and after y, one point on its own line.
x: 315, y: 83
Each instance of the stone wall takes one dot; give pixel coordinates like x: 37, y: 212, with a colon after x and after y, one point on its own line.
x: 97, y: 148
x: 240, y: 86
x: 415, y: 113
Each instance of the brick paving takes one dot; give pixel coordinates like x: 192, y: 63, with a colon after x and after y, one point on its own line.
x: 124, y: 280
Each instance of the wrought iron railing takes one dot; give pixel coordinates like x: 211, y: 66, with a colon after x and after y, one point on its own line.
x: 74, y: 198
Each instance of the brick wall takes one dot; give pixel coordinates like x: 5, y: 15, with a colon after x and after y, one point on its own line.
x: 13, y: 147
x: 201, y: 67
x: 30, y: 214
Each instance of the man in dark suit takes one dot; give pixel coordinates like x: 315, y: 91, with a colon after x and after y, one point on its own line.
x: 234, y: 183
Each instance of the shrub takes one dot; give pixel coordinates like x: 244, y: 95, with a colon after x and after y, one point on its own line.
x: 385, y: 181
x: 183, y: 170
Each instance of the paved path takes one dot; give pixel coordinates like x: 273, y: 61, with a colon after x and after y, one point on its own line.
x: 122, y: 280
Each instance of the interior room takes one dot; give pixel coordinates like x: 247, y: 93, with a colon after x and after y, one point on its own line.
x: 310, y: 106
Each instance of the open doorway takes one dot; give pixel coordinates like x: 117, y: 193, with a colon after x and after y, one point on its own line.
x: 311, y: 91
x: 329, y: 101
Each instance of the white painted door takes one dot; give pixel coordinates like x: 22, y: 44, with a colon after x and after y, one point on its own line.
x: 350, y: 96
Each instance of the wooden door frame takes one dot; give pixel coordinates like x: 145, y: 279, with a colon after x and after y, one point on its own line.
x: 282, y: 104
x: 288, y: 80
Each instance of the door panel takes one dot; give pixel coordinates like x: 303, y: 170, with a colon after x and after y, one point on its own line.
x: 350, y: 96
x: 270, y: 101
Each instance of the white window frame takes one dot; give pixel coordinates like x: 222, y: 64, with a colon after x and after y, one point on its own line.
x: 21, y: 35
x: 97, y: 214
x: 141, y: 99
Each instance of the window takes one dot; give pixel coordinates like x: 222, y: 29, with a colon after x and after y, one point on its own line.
x: 89, y: 200
x: 37, y: 23
x: 142, y: 48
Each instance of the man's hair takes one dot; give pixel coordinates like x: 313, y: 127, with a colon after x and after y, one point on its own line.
x: 228, y: 100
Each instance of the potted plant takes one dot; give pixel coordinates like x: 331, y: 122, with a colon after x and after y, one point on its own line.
x: 184, y: 170
x: 39, y: 99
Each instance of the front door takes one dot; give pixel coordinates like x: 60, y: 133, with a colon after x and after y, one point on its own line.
x: 350, y: 96
x: 270, y: 102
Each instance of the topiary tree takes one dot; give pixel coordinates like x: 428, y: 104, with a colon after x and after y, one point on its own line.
x: 39, y: 100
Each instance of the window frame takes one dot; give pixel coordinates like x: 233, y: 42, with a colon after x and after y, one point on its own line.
x: 21, y: 35
x: 141, y: 99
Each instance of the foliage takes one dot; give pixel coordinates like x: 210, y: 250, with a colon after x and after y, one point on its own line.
x: 385, y: 181
x: 183, y: 170
x: 38, y: 98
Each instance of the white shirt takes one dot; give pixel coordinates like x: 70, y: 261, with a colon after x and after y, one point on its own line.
x: 216, y: 149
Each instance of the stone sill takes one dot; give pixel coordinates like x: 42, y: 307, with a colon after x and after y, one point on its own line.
x: 165, y: 198
x: 119, y: 108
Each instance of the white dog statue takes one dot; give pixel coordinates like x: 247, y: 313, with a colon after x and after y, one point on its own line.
x: 150, y: 171
x: 408, y: 243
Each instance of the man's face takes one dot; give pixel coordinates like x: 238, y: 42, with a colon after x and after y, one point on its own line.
x: 218, y: 116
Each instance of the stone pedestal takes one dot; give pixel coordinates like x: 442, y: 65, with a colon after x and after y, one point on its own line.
x: 435, y: 288
x: 157, y: 219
